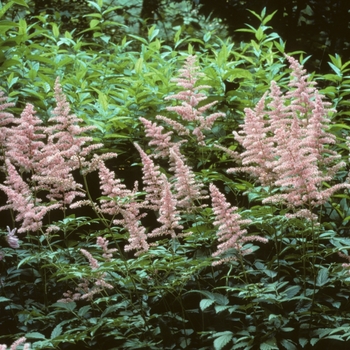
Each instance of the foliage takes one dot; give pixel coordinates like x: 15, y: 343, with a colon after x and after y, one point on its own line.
x: 102, y: 263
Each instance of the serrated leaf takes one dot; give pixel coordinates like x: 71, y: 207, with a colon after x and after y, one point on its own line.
x: 221, y: 299
x: 56, y: 332
x: 313, y: 341
x: 221, y: 341
x: 35, y: 335
x: 269, y: 345
x: 287, y: 344
x: 111, y: 309
x: 67, y: 306
x: 83, y: 310
x: 220, y: 308
x: 205, y: 303
x: 322, y: 277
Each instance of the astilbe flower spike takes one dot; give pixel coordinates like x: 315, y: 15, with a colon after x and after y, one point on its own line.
x: 107, y: 253
x: 190, y: 97
x: 122, y: 202
x: 6, y: 119
x: 113, y: 188
x: 168, y: 214
x: 287, y: 145
x: 230, y: 233
x: 158, y: 139
x: 152, y: 183
x: 24, y: 144
x: 187, y: 189
x: 17, y: 343
x: 137, y: 232
x: 22, y: 200
x: 99, y: 284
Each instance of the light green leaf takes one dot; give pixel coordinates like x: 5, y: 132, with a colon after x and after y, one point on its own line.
x: 3, y: 299
x: 288, y: 344
x: 94, y: 23
x: 221, y: 341
x: 56, y: 332
x: 269, y: 345
x: 83, y: 310
x: 322, y: 277
x: 205, y: 303
x: 35, y: 335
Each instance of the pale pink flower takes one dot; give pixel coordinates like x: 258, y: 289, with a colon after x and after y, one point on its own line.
x: 17, y: 343
x: 24, y: 143
x: 287, y: 144
x: 137, y: 233
x: 12, y: 239
x: 191, y: 97
x: 158, y: 139
x: 152, y: 183
x: 178, y: 127
x: 6, y: 119
x: 113, y: 188
x: 21, y: 199
x: 107, y: 253
x: 187, y: 189
x: 168, y: 214
x: 259, y: 155
x: 92, y: 261
x: 229, y: 232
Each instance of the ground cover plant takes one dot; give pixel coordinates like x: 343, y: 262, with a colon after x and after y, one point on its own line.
x: 192, y: 196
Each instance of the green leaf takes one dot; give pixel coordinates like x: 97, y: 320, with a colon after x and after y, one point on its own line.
x: 269, y: 345
x: 3, y: 299
x: 21, y: 2
x: 336, y: 69
x: 94, y: 23
x: 35, y: 335
x: 292, y: 291
x: 56, y: 332
x: 221, y: 341
x: 67, y: 306
x: 268, y: 17
x: 84, y: 310
x: 205, y: 303
x: 95, y: 5
x: 303, y: 342
x: 322, y: 277
x: 288, y: 344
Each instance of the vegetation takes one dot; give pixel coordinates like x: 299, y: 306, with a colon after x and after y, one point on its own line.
x: 166, y: 187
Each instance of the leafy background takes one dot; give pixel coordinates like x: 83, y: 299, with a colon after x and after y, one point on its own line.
x: 115, y: 60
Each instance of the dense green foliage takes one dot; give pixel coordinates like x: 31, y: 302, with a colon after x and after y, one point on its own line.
x: 290, y: 293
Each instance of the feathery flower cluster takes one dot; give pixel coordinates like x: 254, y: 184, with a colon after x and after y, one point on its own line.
x: 6, y: 119
x: 83, y: 291
x: 107, y: 253
x: 169, y: 215
x: 287, y: 144
x: 190, y: 98
x: 20, y: 198
x: 190, y: 117
x: 152, y: 183
x: 23, y: 144
x: 187, y: 189
x: 48, y: 155
x: 17, y: 343
x: 158, y: 139
x: 122, y: 201
x: 229, y: 232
